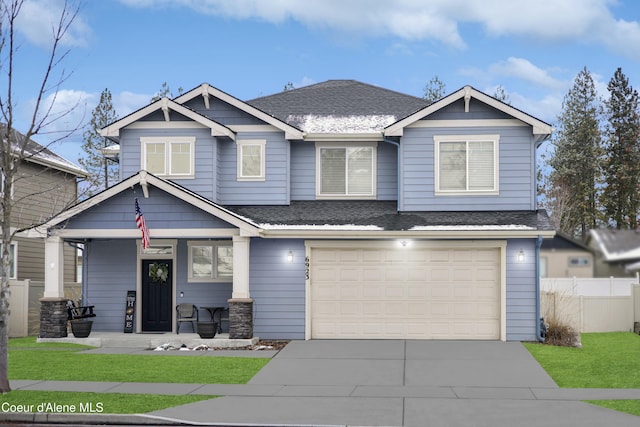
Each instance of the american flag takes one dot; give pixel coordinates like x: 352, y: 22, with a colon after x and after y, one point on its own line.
x: 142, y: 225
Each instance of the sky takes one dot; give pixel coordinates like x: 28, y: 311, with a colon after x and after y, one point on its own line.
x: 253, y: 48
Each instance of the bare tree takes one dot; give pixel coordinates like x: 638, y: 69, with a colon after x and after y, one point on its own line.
x: 16, y: 147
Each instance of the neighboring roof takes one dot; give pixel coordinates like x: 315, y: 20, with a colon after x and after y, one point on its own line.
x: 541, y: 129
x: 562, y: 241
x: 36, y: 153
x: 616, y: 245
x: 383, y: 216
x: 339, y: 106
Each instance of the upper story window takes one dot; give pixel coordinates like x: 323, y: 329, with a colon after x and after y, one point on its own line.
x: 171, y: 156
x: 346, y: 171
x: 466, y: 164
x: 251, y: 160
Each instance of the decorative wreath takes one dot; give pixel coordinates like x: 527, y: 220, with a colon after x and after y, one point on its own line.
x: 158, y: 272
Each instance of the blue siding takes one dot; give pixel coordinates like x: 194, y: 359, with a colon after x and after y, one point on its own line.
x: 387, y: 179
x: 222, y: 112
x: 205, y: 156
x: 521, y: 291
x: 161, y: 210
x: 111, y: 273
x: 303, y: 170
x: 516, y: 174
x: 273, y: 191
x: 278, y: 288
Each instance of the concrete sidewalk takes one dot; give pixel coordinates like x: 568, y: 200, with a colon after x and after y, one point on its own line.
x: 380, y: 383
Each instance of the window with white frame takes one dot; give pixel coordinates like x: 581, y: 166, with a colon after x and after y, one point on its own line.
x: 210, y: 261
x: 169, y: 156
x: 251, y: 159
x: 346, y: 171
x: 466, y: 164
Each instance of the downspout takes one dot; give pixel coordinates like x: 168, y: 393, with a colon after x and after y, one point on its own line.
x: 397, y: 144
x: 539, y: 336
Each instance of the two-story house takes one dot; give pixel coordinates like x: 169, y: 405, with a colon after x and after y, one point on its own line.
x: 337, y: 210
x: 45, y: 183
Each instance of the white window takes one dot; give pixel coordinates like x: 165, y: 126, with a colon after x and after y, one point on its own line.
x: 346, y: 171
x: 169, y: 156
x: 466, y: 164
x: 210, y: 261
x: 251, y: 160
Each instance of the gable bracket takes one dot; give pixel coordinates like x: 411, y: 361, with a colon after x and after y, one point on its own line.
x: 467, y: 98
x: 165, y: 109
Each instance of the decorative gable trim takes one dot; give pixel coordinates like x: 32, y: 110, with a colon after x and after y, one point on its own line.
x: 144, y: 179
x: 541, y: 129
x: 165, y: 105
x: 205, y: 90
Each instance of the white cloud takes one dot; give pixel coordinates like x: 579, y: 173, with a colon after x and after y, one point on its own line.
x: 590, y: 21
x: 38, y: 19
x: 523, y: 69
x: 127, y: 102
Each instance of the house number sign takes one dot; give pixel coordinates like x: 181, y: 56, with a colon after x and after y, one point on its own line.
x: 129, y: 312
x: 306, y: 267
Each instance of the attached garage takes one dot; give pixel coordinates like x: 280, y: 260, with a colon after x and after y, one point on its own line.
x: 423, y: 290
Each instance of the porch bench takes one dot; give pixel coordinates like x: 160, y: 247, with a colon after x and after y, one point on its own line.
x: 79, y: 312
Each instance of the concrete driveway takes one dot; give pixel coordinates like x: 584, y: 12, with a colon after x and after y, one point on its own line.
x: 401, y: 383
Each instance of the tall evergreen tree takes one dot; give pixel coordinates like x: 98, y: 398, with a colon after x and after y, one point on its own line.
x: 576, y: 160
x: 103, y: 171
x: 621, y: 197
x: 434, y: 89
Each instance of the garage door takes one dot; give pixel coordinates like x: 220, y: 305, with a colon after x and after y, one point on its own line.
x: 421, y: 293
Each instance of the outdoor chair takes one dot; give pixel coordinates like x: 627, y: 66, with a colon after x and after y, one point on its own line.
x: 79, y: 312
x: 187, y: 312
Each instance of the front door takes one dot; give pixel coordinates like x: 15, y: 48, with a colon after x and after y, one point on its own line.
x: 157, y: 289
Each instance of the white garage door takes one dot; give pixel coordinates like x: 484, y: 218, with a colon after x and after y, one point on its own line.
x: 421, y: 293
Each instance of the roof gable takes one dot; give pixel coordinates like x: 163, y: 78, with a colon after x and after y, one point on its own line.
x: 145, y: 179
x: 205, y: 90
x: 165, y: 104
x: 616, y: 245
x: 541, y: 129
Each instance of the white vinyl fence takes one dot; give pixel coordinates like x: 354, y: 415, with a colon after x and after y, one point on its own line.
x: 592, y: 305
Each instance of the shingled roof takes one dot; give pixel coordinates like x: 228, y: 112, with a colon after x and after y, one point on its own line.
x: 382, y: 215
x: 338, y: 100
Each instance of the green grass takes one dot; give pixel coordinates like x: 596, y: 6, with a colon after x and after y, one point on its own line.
x: 105, y: 403
x: 606, y: 360
x: 30, y: 360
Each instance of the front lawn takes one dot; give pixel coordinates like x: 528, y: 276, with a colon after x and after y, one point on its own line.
x: 606, y: 360
x: 29, y: 360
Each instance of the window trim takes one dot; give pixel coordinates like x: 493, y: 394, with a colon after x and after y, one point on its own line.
x: 494, y: 138
x: 167, y: 141
x: 240, y: 145
x: 374, y: 170
x: 214, y: 244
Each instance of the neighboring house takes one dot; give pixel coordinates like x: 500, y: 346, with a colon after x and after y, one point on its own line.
x: 617, y: 252
x: 337, y: 210
x: 563, y: 256
x: 44, y: 185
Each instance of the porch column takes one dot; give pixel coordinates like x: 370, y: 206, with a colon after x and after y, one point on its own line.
x: 53, y: 306
x: 241, y: 304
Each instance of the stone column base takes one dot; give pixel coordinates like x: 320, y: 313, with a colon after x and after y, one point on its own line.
x: 53, y: 317
x: 240, y: 318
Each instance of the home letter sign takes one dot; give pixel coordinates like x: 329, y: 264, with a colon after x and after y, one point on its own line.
x: 129, y: 313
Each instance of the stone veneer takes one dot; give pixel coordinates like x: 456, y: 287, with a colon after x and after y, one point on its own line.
x: 53, y: 317
x: 240, y: 318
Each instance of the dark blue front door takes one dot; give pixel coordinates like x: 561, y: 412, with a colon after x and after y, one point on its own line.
x: 156, y: 295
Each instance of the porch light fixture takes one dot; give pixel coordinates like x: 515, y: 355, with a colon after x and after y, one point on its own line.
x: 290, y: 257
x: 520, y: 257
